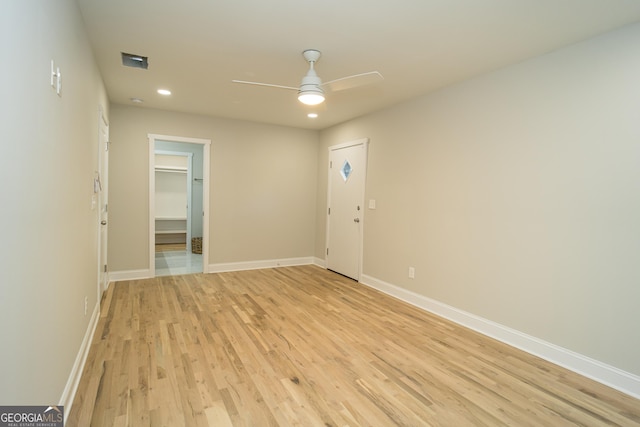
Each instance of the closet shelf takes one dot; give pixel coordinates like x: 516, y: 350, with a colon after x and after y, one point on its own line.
x: 171, y: 169
x: 171, y: 225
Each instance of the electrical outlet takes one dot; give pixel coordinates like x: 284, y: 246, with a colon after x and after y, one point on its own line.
x: 86, y: 305
x: 412, y: 273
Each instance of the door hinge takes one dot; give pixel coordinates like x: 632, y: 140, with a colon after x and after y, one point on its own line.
x: 105, y: 268
x: 330, y: 164
x: 327, y: 251
x: 329, y: 212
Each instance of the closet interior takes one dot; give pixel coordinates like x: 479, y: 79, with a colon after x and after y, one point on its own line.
x: 171, y: 200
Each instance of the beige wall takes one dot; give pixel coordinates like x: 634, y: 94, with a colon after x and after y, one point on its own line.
x: 516, y: 197
x: 48, y: 229
x: 262, y: 197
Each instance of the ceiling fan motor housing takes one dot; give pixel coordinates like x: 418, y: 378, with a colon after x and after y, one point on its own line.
x: 311, y: 81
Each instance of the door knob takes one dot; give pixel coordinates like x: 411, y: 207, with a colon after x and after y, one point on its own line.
x: 356, y: 220
x: 103, y: 222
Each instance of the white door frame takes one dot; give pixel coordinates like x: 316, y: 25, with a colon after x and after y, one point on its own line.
x: 101, y: 193
x: 206, y: 159
x: 365, y: 143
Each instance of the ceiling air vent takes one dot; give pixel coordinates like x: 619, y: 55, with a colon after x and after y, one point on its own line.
x: 135, y: 61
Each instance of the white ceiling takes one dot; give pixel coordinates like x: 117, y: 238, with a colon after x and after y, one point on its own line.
x: 196, y: 47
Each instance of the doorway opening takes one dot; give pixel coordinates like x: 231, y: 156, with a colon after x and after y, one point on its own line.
x: 176, y: 199
x: 178, y: 205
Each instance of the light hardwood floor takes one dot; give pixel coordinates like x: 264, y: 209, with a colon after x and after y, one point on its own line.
x: 302, y: 346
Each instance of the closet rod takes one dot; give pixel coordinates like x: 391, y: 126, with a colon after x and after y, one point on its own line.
x: 174, y: 169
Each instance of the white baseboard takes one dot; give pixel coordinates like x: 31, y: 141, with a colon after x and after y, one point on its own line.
x: 118, y: 276
x: 71, y: 387
x: 613, y: 377
x: 320, y: 262
x: 255, y: 265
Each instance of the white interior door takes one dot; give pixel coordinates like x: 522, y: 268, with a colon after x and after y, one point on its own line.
x: 102, y: 188
x: 345, y: 213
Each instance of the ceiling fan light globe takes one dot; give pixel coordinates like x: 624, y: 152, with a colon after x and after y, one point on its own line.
x: 311, y: 98
x: 311, y: 95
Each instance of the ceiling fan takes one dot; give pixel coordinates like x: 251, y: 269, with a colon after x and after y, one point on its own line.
x: 311, y: 89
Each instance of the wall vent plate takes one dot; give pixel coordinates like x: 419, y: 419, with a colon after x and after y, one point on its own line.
x: 135, y: 61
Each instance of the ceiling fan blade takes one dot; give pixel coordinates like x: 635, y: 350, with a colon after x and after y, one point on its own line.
x: 353, y: 81
x: 264, y: 84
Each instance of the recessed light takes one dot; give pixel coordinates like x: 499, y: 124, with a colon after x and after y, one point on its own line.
x: 136, y: 100
x: 312, y: 115
x: 164, y: 92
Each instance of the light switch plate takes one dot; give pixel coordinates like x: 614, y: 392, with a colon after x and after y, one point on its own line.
x: 58, y: 82
x: 53, y: 75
